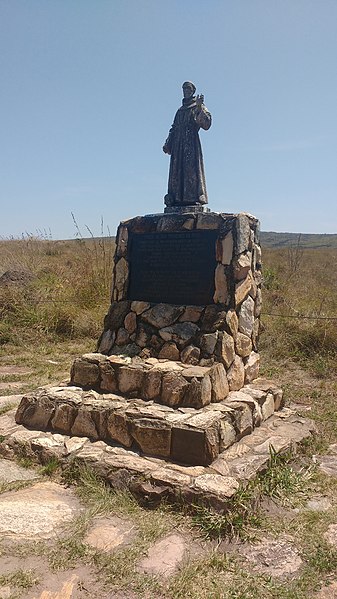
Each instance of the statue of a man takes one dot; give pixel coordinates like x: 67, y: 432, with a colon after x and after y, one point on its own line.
x: 186, y: 184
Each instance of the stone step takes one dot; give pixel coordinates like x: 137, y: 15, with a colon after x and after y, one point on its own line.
x: 163, y: 381
x: 152, y: 479
x: 185, y: 435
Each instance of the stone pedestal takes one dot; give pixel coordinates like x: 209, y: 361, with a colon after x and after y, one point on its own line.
x: 187, y: 287
x: 175, y: 374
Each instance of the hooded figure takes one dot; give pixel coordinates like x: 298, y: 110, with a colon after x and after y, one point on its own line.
x: 186, y: 184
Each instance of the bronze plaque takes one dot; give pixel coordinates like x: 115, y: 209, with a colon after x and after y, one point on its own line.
x: 172, y: 268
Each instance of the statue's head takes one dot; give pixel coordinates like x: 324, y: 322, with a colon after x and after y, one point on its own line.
x: 188, y: 89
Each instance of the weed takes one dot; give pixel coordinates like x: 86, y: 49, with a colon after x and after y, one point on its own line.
x: 281, y: 481
x: 2, y: 438
x: 50, y: 467
x: 23, y: 579
x: 25, y: 462
x: 323, y: 558
x: 240, y: 517
x: 7, y: 408
x: 96, y: 494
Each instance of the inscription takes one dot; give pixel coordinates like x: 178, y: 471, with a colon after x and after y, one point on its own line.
x: 173, y: 268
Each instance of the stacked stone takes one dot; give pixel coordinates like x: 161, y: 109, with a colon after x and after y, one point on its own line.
x: 179, y: 434
x: 163, y: 381
x: 225, y: 331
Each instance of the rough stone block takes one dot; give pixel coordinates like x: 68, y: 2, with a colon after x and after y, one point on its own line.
x: 84, y: 373
x: 226, y: 349
x: 242, y: 289
x: 208, y: 342
x: 198, y: 393
x: 252, y: 367
x: 130, y: 379
x: 35, y: 413
x: 190, y: 446
x: 106, y: 342
x: 190, y: 355
x: 268, y: 406
x: 84, y: 425
x: 139, y: 307
x: 173, y: 389
x: 151, y: 388
x: 227, y: 249
x: 243, y: 239
x: 191, y: 314
x: 162, y: 315
x: 153, y: 436
x: 63, y: 418
x: 227, y: 435
x: 246, y: 317
x: 169, y: 351
x: 243, y: 419
x: 219, y: 383
x: 221, y: 287
x: 242, y: 265
x: 108, y: 377
x: 243, y: 345
x: 182, y: 333
x: 232, y: 323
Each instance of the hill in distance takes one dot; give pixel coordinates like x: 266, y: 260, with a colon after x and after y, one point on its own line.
x: 270, y: 239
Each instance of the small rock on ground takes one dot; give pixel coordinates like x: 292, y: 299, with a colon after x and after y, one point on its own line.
x: 278, y: 558
x: 11, y: 472
x: 5, y: 592
x: 328, y: 464
x: 328, y: 592
x: 108, y: 533
x: 164, y: 556
x: 10, y: 400
x: 39, y: 511
x: 10, y: 385
x: 319, y: 504
x: 331, y: 535
x: 14, y: 371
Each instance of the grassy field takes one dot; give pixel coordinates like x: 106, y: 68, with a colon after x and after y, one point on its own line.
x: 54, y: 312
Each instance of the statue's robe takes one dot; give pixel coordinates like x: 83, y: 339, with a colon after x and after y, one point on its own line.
x: 186, y: 184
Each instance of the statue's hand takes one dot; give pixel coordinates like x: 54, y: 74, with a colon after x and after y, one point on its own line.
x: 200, y: 100
x: 166, y: 149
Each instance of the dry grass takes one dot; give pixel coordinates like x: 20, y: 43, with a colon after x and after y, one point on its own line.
x: 65, y: 294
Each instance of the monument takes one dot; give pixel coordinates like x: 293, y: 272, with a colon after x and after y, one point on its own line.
x: 175, y: 374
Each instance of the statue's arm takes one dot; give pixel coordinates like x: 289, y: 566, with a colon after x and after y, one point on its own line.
x: 202, y: 117
x: 167, y: 147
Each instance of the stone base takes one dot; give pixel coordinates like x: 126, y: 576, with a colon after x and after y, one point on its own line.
x: 164, y: 381
x: 195, y: 209
x: 185, y: 435
x: 151, y: 478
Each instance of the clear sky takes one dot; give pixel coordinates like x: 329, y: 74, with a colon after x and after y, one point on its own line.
x: 89, y: 89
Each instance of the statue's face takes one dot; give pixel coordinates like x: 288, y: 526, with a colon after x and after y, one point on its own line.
x: 188, y: 90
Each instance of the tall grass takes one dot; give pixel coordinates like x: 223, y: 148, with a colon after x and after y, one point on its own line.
x: 66, y: 293
x: 299, y: 306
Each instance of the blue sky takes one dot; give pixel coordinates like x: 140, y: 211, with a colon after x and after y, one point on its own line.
x: 90, y: 88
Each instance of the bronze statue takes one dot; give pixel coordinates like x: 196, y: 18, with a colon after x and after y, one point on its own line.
x: 186, y: 184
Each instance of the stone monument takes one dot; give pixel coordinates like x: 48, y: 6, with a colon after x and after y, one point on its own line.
x: 176, y: 367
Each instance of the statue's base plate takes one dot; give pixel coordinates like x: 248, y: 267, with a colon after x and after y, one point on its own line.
x: 185, y: 209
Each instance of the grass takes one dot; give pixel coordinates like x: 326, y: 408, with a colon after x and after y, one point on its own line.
x: 6, y: 409
x: 21, y: 579
x: 51, y: 467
